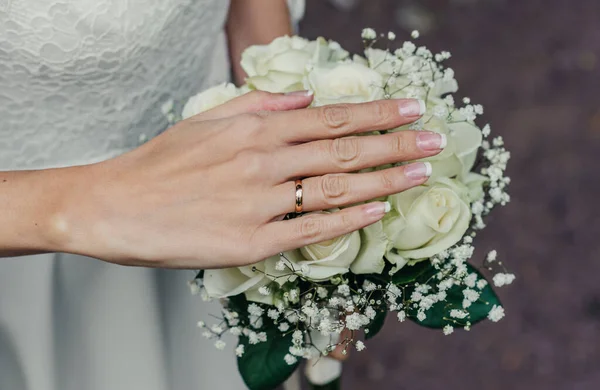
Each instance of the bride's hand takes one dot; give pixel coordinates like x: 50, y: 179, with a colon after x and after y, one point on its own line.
x: 207, y: 192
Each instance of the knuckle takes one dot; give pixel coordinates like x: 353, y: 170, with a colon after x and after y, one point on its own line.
x: 252, y: 164
x: 346, y: 151
x: 337, y: 116
x: 334, y: 187
x: 382, y: 112
x: 310, y: 227
x: 399, y: 144
x: 260, y: 96
x: 387, y: 180
x: 252, y: 122
x: 346, y: 223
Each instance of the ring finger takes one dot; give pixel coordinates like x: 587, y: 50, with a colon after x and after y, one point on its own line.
x: 342, y: 189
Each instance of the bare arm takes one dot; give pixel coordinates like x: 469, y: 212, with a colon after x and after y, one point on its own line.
x: 31, y: 205
x: 253, y: 22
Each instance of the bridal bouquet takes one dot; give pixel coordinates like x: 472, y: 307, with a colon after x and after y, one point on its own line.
x: 413, y: 264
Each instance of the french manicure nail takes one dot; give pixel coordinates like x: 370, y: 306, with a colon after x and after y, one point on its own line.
x: 418, y: 170
x: 299, y: 93
x: 411, y: 107
x: 429, y: 141
x: 378, y: 208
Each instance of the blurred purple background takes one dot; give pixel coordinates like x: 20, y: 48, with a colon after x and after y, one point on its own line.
x: 533, y: 64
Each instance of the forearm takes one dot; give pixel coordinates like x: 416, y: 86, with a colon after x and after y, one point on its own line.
x: 253, y: 22
x: 31, y: 211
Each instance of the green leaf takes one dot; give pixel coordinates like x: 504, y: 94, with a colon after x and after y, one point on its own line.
x: 439, y: 314
x: 262, y: 365
x: 375, y: 326
x: 238, y: 304
x: 333, y: 385
x: 410, y: 273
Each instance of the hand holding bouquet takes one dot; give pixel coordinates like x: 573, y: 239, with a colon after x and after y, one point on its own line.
x: 412, y: 263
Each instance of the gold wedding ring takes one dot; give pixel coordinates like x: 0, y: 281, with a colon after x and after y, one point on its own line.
x: 299, y: 196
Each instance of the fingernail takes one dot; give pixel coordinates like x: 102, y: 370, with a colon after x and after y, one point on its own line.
x: 418, y: 171
x: 411, y: 107
x: 429, y: 140
x: 378, y: 208
x: 299, y: 93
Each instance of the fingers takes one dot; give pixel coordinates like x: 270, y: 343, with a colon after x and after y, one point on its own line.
x: 350, y: 154
x: 342, y: 189
x: 309, y: 229
x: 339, y: 120
x: 259, y: 101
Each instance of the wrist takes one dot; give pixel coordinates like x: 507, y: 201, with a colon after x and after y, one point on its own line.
x: 34, y: 207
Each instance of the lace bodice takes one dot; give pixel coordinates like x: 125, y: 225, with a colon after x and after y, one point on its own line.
x: 84, y: 80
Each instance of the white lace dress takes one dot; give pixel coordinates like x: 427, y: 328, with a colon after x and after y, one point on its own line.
x: 82, y: 81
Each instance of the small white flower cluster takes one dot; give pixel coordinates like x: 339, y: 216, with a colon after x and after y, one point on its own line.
x: 309, y: 311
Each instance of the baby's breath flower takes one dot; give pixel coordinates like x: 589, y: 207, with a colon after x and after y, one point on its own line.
x: 280, y: 266
x: 355, y: 321
x: 391, y: 36
x: 297, y: 337
x: 284, y: 327
x: 264, y: 290
x: 470, y: 280
x: 216, y: 329
x: 344, y: 289
x: 369, y: 286
x: 322, y: 292
x: 368, y: 34
x: 273, y: 314
x: 255, y: 310
x: 220, y: 345
x: 370, y: 312
x: 414, y: 34
x: 449, y: 100
x: 290, y: 360
x: 481, y: 283
x: 491, y: 256
x: 401, y: 316
x: 448, y: 329
x: 421, y: 316
x: 408, y: 48
x: 239, y: 351
x: 496, y: 314
x: 471, y: 294
x: 460, y: 314
x: 503, y: 279
x: 359, y: 345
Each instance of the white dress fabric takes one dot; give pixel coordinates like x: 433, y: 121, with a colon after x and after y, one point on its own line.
x: 82, y: 81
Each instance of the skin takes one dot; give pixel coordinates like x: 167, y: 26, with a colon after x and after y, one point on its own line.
x: 254, y: 22
x: 210, y: 191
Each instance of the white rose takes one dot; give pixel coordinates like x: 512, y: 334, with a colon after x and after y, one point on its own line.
x: 210, y: 98
x: 458, y: 157
x: 361, y: 251
x: 346, y: 82
x: 228, y: 282
x: 281, y: 65
x: 426, y: 220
